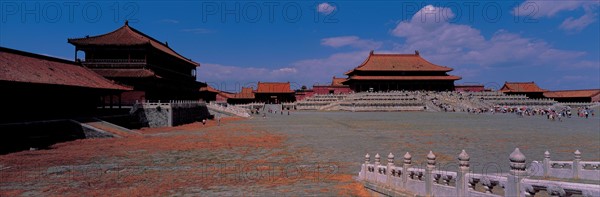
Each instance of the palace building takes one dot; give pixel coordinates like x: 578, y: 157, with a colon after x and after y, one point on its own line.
x: 386, y: 72
x: 131, y: 57
x: 274, y: 92
x: 246, y: 95
x: 37, y: 87
x: 470, y: 88
x: 589, y: 95
x: 336, y: 87
x: 529, y: 89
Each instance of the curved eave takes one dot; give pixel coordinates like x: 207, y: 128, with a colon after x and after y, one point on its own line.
x: 431, y: 70
x: 404, y: 78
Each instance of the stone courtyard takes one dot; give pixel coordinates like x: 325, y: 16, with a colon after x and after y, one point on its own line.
x: 305, y: 153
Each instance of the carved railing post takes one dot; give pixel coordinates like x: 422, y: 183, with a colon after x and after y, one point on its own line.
x: 405, y: 167
x: 517, y: 172
x: 377, y: 169
x: 462, y: 182
x: 390, y: 165
x: 576, y: 164
x: 546, y: 163
x: 428, y: 174
x: 365, y: 168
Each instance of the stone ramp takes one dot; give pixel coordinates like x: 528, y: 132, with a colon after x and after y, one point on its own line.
x: 115, y: 130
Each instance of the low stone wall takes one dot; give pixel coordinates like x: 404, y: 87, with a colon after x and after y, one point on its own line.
x: 173, y: 113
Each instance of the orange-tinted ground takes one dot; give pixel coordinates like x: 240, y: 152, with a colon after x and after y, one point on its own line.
x: 195, y: 159
x: 303, y: 154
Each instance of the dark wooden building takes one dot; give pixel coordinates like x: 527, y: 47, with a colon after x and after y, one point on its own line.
x: 131, y: 57
x: 36, y: 87
x: 529, y: 89
x: 386, y: 72
x: 274, y: 92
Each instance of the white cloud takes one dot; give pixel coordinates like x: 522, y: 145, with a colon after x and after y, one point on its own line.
x: 320, y: 70
x: 549, y: 8
x: 284, y: 71
x: 304, y: 72
x: 457, y: 44
x: 578, y: 24
x: 500, y: 57
x: 353, y: 41
x: 326, y: 8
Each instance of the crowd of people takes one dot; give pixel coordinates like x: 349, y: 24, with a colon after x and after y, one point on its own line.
x: 551, y: 114
x: 272, y: 111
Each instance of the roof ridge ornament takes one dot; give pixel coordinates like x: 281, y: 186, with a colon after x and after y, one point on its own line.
x: 417, y: 52
x: 126, y: 22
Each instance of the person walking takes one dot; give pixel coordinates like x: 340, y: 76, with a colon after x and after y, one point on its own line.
x: 218, y: 120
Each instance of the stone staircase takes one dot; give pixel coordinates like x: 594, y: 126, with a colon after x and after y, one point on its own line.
x: 229, y: 110
x: 331, y: 107
x: 272, y: 107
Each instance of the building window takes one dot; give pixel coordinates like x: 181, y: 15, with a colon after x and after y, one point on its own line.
x: 193, y: 72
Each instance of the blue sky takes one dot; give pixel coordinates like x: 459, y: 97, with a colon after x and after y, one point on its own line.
x: 554, y: 43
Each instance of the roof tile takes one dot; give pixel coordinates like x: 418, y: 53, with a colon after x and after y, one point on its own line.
x: 398, y: 62
x: 273, y: 87
x: 20, y: 66
x: 572, y: 93
x: 521, y: 87
x: 126, y: 36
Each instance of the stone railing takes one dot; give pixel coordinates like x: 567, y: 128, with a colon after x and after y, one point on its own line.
x: 288, y: 105
x: 576, y: 169
x: 577, y: 104
x: 317, y: 101
x: 395, y: 180
x: 253, y: 105
x: 115, y: 63
x: 229, y: 109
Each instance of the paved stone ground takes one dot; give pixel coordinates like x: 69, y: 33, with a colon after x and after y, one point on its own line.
x: 487, y: 138
x: 304, y: 154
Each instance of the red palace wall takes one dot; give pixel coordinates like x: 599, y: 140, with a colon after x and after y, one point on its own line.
x: 473, y: 88
x: 328, y: 89
x: 302, y: 95
x: 596, y: 98
x: 127, y: 98
x: 132, y: 96
x: 221, y: 99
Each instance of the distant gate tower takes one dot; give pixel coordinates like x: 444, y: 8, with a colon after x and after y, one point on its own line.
x: 386, y: 72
